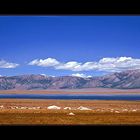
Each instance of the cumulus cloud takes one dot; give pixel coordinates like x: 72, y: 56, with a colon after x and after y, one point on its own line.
x: 105, y: 64
x: 44, y: 75
x: 72, y: 65
x: 52, y: 76
x: 119, y: 64
x: 49, y: 62
x: 47, y: 75
x: 5, y: 64
x: 81, y: 75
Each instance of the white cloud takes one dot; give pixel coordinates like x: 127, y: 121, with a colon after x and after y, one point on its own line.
x: 47, y: 75
x: 49, y: 62
x: 44, y: 75
x: 72, y: 65
x: 5, y: 64
x: 119, y: 64
x: 81, y: 75
x: 52, y: 76
x: 105, y: 64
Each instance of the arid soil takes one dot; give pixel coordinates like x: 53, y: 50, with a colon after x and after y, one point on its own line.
x: 27, y: 111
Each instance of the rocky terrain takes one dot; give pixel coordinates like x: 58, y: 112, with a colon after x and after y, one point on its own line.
x: 124, y: 80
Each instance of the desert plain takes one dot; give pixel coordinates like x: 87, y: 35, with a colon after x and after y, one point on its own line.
x: 69, y: 112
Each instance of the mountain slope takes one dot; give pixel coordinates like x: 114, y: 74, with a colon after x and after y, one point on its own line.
x: 123, y: 80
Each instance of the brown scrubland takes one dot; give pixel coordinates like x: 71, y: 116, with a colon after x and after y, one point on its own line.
x: 36, y: 112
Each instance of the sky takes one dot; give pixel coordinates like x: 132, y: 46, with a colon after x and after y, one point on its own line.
x: 69, y: 45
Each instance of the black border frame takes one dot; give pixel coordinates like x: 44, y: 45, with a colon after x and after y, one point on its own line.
x: 70, y: 9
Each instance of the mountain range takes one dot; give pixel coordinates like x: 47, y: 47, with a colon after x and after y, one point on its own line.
x: 129, y: 79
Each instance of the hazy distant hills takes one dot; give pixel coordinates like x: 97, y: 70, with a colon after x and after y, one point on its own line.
x: 123, y: 80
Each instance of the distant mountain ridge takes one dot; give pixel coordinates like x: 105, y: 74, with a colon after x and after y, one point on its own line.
x: 124, y: 80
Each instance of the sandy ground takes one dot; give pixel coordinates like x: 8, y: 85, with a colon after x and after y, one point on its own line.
x: 75, y: 91
x: 102, y: 112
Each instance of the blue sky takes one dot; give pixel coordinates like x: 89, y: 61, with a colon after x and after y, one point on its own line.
x: 69, y: 38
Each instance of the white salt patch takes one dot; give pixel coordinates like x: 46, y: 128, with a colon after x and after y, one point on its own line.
x: 33, y: 107
x: 23, y: 108
x: 16, y: 107
x: 12, y: 107
x: 83, y: 108
x: 1, y: 106
x: 117, y: 112
x: 134, y: 110
x: 71, y: 114
x: 30, y: 108
x: 67, y: 108
x: 38, y: 107
x: 54, y: 107
x: 125, y: 109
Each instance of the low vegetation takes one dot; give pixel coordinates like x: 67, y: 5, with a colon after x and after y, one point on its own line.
x: 71, y: 112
